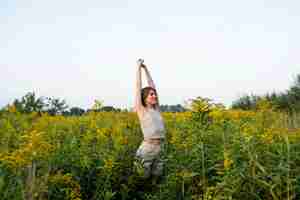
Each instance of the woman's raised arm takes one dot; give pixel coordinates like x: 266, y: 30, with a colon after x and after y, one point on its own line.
x: 138, y: 87
x: 149, y: 78
x: 151, y: 82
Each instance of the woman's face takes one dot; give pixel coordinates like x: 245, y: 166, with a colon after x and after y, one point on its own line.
x: 151, y: 98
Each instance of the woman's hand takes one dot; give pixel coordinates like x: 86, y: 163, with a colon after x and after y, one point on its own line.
x: 140, y: 63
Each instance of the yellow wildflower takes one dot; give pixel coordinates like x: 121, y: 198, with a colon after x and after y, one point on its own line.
x: 108, y: 164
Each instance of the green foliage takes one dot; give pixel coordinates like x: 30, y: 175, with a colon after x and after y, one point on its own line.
x: 288, y: 101
x: 246, y: 102
x: 29, y: 103
x: 172, y: 108
x: 238, y: 155
x: 55, y: 106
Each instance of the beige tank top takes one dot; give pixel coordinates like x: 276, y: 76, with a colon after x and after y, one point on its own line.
x: 152, y: 124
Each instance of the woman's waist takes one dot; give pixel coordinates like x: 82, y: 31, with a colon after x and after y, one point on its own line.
x: 150, y: 134
x: 154, y: 140
x: 154, y: 136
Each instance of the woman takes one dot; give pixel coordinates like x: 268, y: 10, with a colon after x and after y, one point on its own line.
x: 152, y: 125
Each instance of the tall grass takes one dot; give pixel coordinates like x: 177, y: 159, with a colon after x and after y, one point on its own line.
x: 215, y: 154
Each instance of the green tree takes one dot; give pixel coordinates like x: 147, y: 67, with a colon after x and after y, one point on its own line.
x: 109, y: 109
x: 288, y: 101
x: 74, y: 111
x: 29, y: 103
x: 172, y: 108
x: 55, y: 106
x: 246, y: 102
x: 294, y: 94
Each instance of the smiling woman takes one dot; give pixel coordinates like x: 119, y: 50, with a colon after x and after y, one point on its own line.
x: 152, y: 125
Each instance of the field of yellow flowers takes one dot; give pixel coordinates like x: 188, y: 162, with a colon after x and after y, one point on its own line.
x: 211, y: 153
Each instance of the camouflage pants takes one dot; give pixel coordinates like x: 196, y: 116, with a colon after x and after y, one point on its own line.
x: 149, y: 156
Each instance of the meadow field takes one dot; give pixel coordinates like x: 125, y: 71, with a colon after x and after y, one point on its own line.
x: 211, y: 153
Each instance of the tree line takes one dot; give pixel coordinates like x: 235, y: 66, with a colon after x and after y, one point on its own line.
x: 55, y: 106
x: 287, y: 101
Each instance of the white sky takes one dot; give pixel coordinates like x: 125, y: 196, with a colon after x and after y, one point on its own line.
x: 85, y: 50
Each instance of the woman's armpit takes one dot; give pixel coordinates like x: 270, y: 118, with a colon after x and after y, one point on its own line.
x: 140, y: 110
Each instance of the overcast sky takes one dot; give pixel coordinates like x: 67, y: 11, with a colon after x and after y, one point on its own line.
x: 86, y: 50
